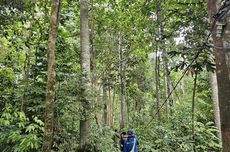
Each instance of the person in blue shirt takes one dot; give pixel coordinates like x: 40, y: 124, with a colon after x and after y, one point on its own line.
x: 123, y: 139
x: 130, y: 145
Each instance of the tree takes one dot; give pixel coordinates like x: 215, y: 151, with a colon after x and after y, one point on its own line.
x: 85, y: 74
x: 213, y: 82
x: 122, y: 71
x: 221, y: 71
x: 124, y: 35
x: 49, y: 111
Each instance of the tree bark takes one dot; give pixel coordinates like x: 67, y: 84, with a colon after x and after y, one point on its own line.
x: 157, y: 79
x: 158, y: 49
x: 110, y: 109
x: 193, y: 111
x: 105, y: 103
x: 213, y: 82
x: 49, y: 106
x: 124, y: 111
x: 113, y: 106
x: 222, y: 79
x: 85, y: 77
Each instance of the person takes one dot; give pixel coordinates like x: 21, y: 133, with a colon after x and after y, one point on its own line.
x: 123, y: 139
x: 130, y: 145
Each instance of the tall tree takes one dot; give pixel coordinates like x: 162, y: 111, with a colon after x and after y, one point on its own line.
x: 213, y: 82
x: 221, y: 70
x: 85, y: 74
x: 122, y: 62
x: 49, y: 111
x: 105, y: 102
x: 158, y: 49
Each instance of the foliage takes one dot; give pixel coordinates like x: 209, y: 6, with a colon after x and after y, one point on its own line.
x: 17, y: 133
x: 175, y: 135
x: 101, y: 139
x: 23, y: 73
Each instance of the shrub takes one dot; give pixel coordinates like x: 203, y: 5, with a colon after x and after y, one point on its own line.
x: 17, y: 133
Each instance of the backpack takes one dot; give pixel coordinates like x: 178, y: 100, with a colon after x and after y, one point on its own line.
x: 134, y: 144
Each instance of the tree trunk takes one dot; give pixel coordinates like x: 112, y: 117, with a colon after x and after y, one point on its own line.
x: 93, y: 51
x: 85, y: 77
x: 193, y: 111
x: 110, y: 108
x: 158, y: 49
x: 113, y: 106
x: 105, y: 103
x: 225, y: 95
x: 49, y: 106
x: 222, y: 79
x: 213, y: 82
x: 226, y: 39
x: 124, y: 111
x: 157, y: 79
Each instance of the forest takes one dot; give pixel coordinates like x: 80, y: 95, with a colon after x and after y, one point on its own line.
x: 74, y: 74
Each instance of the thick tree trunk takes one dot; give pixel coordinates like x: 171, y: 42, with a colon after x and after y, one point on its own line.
x: 225, y: 96
x: 222, y: 79
x: 85, y: 71
x: 49, y: 106
x: 226, y: 39
x: 124, y: 111
x: 213, y: 82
